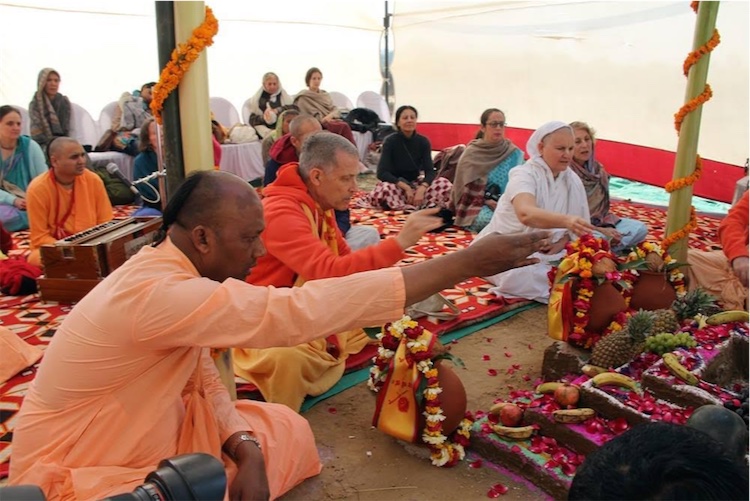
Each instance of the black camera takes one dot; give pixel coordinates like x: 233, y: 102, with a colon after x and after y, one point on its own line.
x: 447, y: 216
x: 198, y: 477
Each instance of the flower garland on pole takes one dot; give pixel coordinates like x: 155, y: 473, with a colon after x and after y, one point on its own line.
x: 444, y: 451
x: 675, y: 235
x: 183, y: 56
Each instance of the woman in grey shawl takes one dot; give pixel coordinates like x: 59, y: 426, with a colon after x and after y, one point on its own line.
x: 318, y: 103
x: 482, y: 172
x: 49, y: 110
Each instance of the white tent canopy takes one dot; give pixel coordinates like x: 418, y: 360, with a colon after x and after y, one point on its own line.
x: 616, y: 65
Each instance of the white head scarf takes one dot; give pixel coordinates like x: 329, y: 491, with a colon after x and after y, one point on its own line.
x: 532, y: 147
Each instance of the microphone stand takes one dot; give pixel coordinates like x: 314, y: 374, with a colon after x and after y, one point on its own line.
x: 161, y: 171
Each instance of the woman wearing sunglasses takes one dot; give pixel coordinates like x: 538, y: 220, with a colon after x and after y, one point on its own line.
x: 482, y: 172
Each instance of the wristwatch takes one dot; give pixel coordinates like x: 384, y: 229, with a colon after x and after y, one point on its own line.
x: 241, y: 438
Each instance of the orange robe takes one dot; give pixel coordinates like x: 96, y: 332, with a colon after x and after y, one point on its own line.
x: 712, y: 271
x: 47, y: 202
x: 303, y: 243
x: 115, y: 392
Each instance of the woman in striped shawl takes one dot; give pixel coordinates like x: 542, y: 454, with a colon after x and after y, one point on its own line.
x: 49, y: 110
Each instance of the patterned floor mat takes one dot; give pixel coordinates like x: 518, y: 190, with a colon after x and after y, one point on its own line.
x: 36, y: 321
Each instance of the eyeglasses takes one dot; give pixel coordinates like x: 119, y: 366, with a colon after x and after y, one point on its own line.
x: 495, y: 125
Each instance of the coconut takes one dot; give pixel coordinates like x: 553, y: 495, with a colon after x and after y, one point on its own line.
x: 654, y: 262
x: 603, y: 266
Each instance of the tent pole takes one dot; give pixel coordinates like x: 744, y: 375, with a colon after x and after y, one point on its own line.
x: 687, y: 146
x: 172, y: 146
x: 386, y: 25
x: 193, y: 91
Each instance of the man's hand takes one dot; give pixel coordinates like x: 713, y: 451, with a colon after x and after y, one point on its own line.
x: 19, y: 203
x: 578, y: 225
x: 557, y: 246
x: 739, y: 267
x: 492, y: 204
x: 496, y: 253
x: 251, y: 482
x: 417, y: 224
x: 419, y: 195
x: 492, y: 254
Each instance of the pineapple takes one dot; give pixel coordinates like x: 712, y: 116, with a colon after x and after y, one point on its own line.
x: 695, y: 302
x: 622, y: 346
x: 665, y: 321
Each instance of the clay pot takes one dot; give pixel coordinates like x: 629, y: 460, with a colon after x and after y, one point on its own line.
x: 605, y: 304
x: 652, y: 291
x: 453, y: 399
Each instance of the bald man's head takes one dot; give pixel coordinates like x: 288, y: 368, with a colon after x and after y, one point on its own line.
x: 216, y: 219
x: 58, y: 144
x: 301, y: 128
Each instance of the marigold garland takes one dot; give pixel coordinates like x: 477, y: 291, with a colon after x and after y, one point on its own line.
x: 683, y: 232
x: 444, y: 451
x: 587, y: 250
x: 183, y: 56
x: 676, y: 184
x: 684, y: 182
x: 701, y: 51
x: 691, y: 106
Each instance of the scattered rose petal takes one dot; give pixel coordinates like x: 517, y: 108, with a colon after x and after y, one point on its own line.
x: 496, y: 491
x: 526, y: 377
x: 491, y: 372
x: 531, y: 347
x: 476, y: 464
x: 516, y: 366
x: 332, y: 410
x: 516, y: 449
x: 485, y: 357
x: 488, y: 339
x: 508, y: 354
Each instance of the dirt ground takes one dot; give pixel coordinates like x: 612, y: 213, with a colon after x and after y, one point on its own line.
x: 363, y: 464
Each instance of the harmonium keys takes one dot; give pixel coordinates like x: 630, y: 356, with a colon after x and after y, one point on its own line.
x: 75, y: 264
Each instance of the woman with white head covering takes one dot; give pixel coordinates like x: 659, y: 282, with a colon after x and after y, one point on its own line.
x: 267, y: 104
x: 541, y: 194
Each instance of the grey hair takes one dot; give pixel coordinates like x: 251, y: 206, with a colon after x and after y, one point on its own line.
x: 319, y: 150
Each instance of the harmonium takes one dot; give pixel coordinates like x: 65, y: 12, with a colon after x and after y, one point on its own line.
x: 76, y: 264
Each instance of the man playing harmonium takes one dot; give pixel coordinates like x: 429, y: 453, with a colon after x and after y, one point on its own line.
x: 66, y: 199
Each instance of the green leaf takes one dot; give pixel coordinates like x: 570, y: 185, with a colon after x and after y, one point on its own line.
x: 624, y: 284
x: 636, y: 264
x: 451, y: 358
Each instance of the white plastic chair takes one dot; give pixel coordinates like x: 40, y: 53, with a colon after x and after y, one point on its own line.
x: 341, y: 101
x: 106, y: 115
x: 25, y: 120
x: 83, y: 127
x: 246, y: 111
x: 375, y: 102
x: 224, y: 111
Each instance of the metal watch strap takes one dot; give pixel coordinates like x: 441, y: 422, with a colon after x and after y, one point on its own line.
x: 242, y: 437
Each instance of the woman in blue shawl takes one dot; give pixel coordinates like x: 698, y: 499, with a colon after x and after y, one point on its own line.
x: 21, y: 161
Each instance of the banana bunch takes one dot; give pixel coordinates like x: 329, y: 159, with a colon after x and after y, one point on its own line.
x: 569, y: 416
x: 592, y: 370
x: 724, y: 317
x: 513, y: 432
x: 549, y: 387
x: 679, y: 370
x: 614, y: 379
